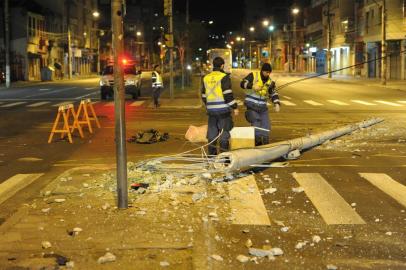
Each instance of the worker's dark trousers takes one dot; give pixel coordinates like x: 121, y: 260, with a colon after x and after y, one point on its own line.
x: 215, y: 125
x: 260, y: 120
x: 156, y: 93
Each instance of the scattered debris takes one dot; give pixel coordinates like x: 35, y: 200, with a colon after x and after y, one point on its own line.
x: 249, y: 243
x: 149, y: 137
x: 316, y: 239
x: 276, y: 251
x: 46, y: 244
x: 164, y: 264
x: 257, y: 252
x: 300, y: 245
x: 197, y: 197
x: 60, y: 200
x: 331, y: 267
x: 217, y: 257
x: 108, y: 257
x: 137, y: 186
x: 242, y: 258
x: 353, y: 204
x: 45, y: 210
x: 298, y: 189
x: 85, y: 185
x: 270, y: 190
x: 106, y: 206
x: 245, y: 231
x: 389, y: 233
x: 70, y: 264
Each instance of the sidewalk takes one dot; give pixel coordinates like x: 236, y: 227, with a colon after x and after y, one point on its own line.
x: 392, y: 84
x: 20, y: 84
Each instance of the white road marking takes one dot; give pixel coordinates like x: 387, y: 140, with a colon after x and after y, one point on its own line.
x: 37, y: 104
x: 337, y: 102
x: 388, y: 103
x: 331, y: 206
x: 90, y: 88
x: 287, y: 103
x: 402, y: 101
x: 62, y: 103
x: 286, y: 97
x: 87, y: 95
x: 12, y: 104
x: 385, y: 183
x: 45, y: 89
x: 246, y: 202
x: 137, y: 103
x: 363, y: 102
x: 56, y: 91
x: 16, y: 183
x: 313, y: 103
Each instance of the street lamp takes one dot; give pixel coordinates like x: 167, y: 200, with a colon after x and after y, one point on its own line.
x: 265, y: 23
x: 252, y: 29
x: 138, y: 33
x: 96, y: 14
x: 295, y: 11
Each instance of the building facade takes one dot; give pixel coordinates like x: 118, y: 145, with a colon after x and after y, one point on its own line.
x: 39, y: 38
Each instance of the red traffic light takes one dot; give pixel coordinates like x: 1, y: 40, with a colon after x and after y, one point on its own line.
x: 124, y: 61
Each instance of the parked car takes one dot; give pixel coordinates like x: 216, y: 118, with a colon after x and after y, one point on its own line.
x: 132, y: 81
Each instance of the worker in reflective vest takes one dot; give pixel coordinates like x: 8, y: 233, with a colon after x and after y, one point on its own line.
x: 259, y: 88
x: 157, y: 85
x: 218, y: 97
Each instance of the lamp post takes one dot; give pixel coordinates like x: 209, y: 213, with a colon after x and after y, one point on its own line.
x: 295, y: 11
x: 252, y: 30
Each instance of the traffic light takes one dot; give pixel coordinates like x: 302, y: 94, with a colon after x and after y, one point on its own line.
x: 167, y: 7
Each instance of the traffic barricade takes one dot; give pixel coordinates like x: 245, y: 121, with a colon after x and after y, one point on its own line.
x: 65, y: 113
x: 86, y: 114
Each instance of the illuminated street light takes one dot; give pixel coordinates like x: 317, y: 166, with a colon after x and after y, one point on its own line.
x: 139, y: 34
x: 295, y: 11
x: 85, y: 34
x: 159, y: 43
x: 243, y: 38
x: 265, y: 23
x: 229, y: 46
x: 96, y: 14
x: 238, y: 38
x: 307, y: 45
x: 252, y: 29
x: 271, y: 28
x: 211, y: 22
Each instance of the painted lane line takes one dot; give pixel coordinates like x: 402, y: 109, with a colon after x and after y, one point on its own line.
x: 94, y: 93
x: 137, y: 103
x: 37, y: 104
x: 286, y: 97
x: 363, y: 102
x: 287, y: 103
x: 90, y: 88
x: 45, y: 89
x: 402, y: 101
x: 53, y: 92
x: 331, y: 206
x: 246, y: 203
x: 12, y: 104
x: 388, y: 103
x: 337, y: 102
x: 313, y: 103
x: 385, y: 183
x: 16, y: 183
x: 62, y: 103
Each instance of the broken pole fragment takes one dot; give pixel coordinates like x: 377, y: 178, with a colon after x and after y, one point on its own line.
x: 242, y: 159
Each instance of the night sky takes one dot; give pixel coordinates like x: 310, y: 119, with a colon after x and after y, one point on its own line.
x: 228, y: 15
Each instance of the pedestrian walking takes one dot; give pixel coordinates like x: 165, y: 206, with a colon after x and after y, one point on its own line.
x: 259, y: 89
x: 218, y: 97
x: 157, y: 85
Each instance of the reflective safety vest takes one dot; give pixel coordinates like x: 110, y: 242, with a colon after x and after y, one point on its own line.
x: 214, y: 93
x: 258, y: 98
x: 158, y: 80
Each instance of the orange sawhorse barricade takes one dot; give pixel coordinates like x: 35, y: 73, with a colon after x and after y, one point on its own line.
x: 66, y: 112
x: 86, y: 108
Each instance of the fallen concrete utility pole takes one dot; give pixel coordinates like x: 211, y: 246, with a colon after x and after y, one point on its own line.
x: 242, y: 159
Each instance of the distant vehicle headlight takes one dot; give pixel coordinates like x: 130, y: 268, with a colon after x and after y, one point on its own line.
x: 104, y: 82
x: 130, y: 82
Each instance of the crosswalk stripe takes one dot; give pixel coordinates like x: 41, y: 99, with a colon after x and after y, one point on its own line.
x: 16, y: 183
x: 246, y: 203
x: 337, y: 102
x: 402, y: 101
x: 37, y: 104
x: 286, y: 97
x: 12, y: 104
x: 62, y: 103
x: 137, y: 103
x: 331, y: 206
x: 313, y: 103
x: 287, y: 103
x: 388, y: 103
x: 385, y: 183
x: 363, y: 102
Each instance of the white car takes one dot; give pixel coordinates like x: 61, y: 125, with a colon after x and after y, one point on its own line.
x: 132, y: 82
